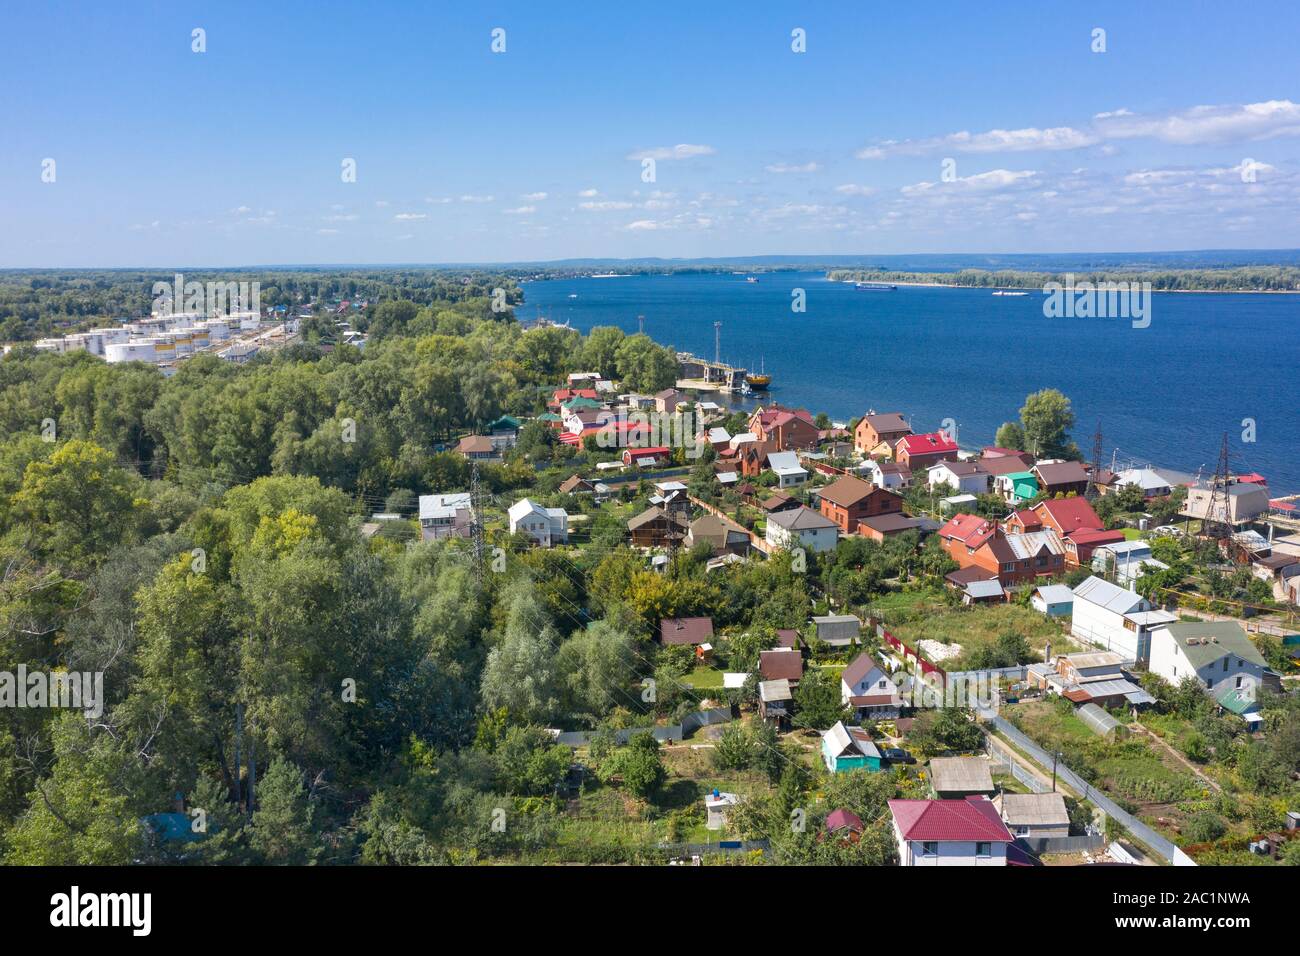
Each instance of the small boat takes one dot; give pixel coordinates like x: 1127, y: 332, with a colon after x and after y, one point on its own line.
x: 751, y: 279
x: 573, y: 295
x: 761, y: 381
x: 1005, y: 292
x: 874, y: 287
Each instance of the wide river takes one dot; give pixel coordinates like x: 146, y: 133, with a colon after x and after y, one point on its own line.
x: 1164, y: 394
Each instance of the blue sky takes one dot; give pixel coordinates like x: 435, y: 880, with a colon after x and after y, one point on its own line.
x: 167, y: 157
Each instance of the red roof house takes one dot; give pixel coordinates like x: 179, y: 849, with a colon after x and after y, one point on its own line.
x: 922, y: 451
x: 950, y: 832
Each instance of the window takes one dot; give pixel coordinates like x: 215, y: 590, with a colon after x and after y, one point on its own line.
x: 983, y: 849
x: 929, y: 848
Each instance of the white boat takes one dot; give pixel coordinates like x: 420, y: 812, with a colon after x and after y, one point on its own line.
x: 1004, y: 292
x: 751, y: 279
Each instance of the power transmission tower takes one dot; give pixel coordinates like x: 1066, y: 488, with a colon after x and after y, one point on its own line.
x: 1092, y: 490
x: 717, y: 343
x: 1212, y: 525
x: 640, y: 324
x: 478, y: 545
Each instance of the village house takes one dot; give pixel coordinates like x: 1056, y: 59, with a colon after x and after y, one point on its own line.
x: 1016, y: 486
x: 1011, y: 558
x: 504, y: 432
x: 658, y: 528
x: 869, y: 690
x: 1216, y: 653
x: 1034, y: 816
x: 445, y: 516
x: 1110, y: 617
x: 784, y: 429
x: 1239, y: 502
x: 965, y: 477
x: 785, y: 465
x: 919, y: 452
x: 880, y: 527
x: 1073, y: 520
x: 849, y: 748
x: 722, y: 537
x: 776, y: 702
x: 546, y: 526
x: 875, y: 429
x: 666, y: 402
x: 801, y: 528
x: 692, y: 631
x: 950, y: 833
x: 777, y: 502
x: 889, y: 475
x: 1061, y: 477
x: 478, y: 448
x: 653, y: 457
x: 956, y: 777
x: 781, y: 663
x: 847, y: 501
x: 1152, y: 483
x: 1004, y: 461
x: 562, y: 395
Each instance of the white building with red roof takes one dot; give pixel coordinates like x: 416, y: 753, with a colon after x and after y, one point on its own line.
x: 967, y: 832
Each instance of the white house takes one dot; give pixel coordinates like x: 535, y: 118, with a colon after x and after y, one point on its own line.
x: 1217, y: 653
x: 1153, y: 485
x: 889, y: 475
x: 1128, y: 560
x: 964, y: 476
x: 546, y: 526
x: 869, y: 690
x: 785, y: 464
x: 445, y: 516
x: 1118, y: 620
x: 967, y: 832
x: 801, y: 528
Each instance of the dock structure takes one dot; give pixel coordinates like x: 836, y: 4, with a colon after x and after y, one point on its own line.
x: 704, y: 374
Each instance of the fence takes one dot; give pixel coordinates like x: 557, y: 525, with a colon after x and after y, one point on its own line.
x: 1001, y: 759
x: 670, y: 734
x: 1074, y: 844
x: 723, y: 846
x: 1140, y: 830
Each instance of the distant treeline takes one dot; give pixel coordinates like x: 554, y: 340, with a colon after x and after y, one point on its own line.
x: 39, y: 303
x: 1243, y: 279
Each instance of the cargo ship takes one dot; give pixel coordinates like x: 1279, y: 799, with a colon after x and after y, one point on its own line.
x: 874, y: 287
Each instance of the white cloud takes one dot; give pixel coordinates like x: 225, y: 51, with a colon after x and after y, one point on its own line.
x: 606, y: 204
x: 1206, y: 124
x: 438, y: 200
x: 410, y: 216
x: 644, y: 225
x: 992, y: 180
x: 809, y: 167
x: 477, y: 199
x: 680, y: 151
x: 589, y: 193
x: 533, y: 197
x: 992, y: 141
x: 853, y: 189
x: 520, y: 211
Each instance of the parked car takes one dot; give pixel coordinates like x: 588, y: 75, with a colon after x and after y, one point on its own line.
x: 897, y: 755
x: 1168, y: 531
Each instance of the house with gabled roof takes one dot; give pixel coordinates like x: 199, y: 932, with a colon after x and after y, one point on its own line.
x: 784, y: 429
x: 1115, y: 619
x: 1217, y: 653
x: 478, y: 448
x: 658, y: 528
x: 919, y: 452
x: 848, y: 500
x: 1013, y: 558
x: 785, y: 465
x: 546, y: 526
x: 801, y: 528
x: 869, y: 690
x: 966, y: 477
x: 847, y: 748
x: 873, y: 429
x: 1061, y: 477
x: 1034, y: 815
x: 781, y: 663
x: 691, y: 631
x: 967, y: 832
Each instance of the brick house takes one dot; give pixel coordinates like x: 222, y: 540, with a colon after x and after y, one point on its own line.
x: 849, y: 500
x: 973, y: 541
x: 784, y: 429
x: 919, y: 452
x: 874, y: 429
x: 1061, y: 478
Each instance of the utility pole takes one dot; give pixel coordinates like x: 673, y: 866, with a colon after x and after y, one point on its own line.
x: 717, y: 343
x: 1092, y: 490
x: 640, y: 324
x: 1055, y: 755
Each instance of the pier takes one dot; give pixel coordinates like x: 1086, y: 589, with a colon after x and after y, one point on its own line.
x: 706, y: 375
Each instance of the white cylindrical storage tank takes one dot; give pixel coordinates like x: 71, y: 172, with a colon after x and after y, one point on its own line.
x: 142, y: 351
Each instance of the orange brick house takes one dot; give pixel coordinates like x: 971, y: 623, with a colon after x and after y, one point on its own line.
x: 876, y: 428
x: 785, y: 429
x: 849, y: 500
x: 973, y: 541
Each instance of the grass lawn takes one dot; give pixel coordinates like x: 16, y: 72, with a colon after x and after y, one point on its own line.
x: 704, y: 677
x: 972, y: 627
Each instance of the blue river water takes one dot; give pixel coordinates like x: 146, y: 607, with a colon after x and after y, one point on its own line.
x: 1163, y: 395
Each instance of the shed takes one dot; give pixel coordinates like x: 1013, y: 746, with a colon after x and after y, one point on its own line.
x: 960, y: 777
x: 838, y: 630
